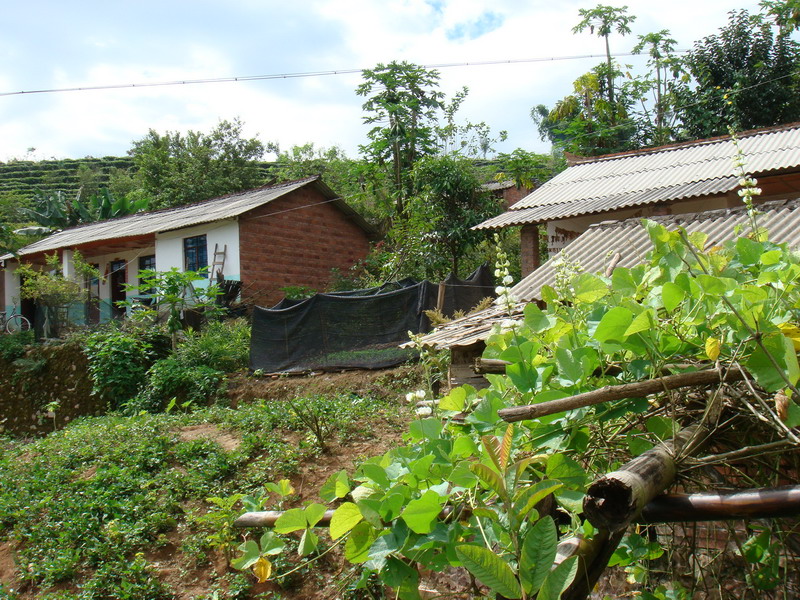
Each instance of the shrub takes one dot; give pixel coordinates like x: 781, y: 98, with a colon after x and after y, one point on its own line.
x: 12, y: 346
x: 171, y: 378
x: 119, y: 359
x: 222, y: 345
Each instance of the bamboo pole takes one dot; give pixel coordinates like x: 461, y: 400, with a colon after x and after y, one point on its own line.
x: 593, y: 556
x: 638, y: 389
x: 769, y: 503
x: 616, y: 499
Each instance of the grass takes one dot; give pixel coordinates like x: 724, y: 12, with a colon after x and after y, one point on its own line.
x: 88, y: 506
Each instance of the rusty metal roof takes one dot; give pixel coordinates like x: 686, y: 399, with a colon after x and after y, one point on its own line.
x: 150, y: 223
x: 621, y: 244
x: 668, y: 173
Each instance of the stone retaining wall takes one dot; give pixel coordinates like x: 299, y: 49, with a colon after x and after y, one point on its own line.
x: 45, y: 389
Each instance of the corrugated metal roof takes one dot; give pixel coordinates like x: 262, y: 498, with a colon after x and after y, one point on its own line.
x: 662, y: 174
x: 622, y: 244
x: 149, y: 223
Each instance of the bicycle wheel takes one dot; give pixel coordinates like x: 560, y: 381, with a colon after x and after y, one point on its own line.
x: 17, y: 323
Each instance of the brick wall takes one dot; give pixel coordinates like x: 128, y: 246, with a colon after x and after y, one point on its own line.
x: 529, y: 249
x: 295, y: 241
x: 513, y: 194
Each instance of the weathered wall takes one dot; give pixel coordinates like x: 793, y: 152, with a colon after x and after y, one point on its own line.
x: 295, y: 241
x: 46, y: 374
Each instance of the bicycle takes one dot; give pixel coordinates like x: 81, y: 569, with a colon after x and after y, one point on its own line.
x: 13, y: 323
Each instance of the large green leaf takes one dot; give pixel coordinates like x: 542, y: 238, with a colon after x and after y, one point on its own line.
x: 270, y: 543
x: 455, y: 400
x: 308, y: 543
x: 538, y: 553
x: 422, y: 429
x: 490, y: 477
x: 336, y: 486
x: 589, y: 288
x: 313, y: 513
x: 536, y: 319
x: 613, y: 324
x: 526, y: 499
x: 566, y: 470
x: 420, y: 514
x: 344, y: 519
x: 558, y: 579
x: 292, y: 520
x: 490, y: 569
x: 644, y: 321
x: 357, y: 546
x: 760, y: 363
x: 672, y: 295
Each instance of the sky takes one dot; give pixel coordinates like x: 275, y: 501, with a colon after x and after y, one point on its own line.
x: 89, y: 43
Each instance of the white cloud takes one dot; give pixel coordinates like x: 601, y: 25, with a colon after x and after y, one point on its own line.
x: 252, y: 37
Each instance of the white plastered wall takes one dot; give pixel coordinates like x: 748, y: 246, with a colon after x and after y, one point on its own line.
x: 10, y: 287
x: 169, y: 246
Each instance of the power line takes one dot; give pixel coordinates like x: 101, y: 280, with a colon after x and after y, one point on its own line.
x: 299, y: 75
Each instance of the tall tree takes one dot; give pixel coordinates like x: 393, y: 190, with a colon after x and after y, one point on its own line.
x: 436, y: 235
x: 585, y: 122
x: 602, y: 20
x: 403, y: 103
x: 655, y: 91
x: 746, y: 76
x: 595, y: 118
x: 173, y: 169
x: 786, y: 13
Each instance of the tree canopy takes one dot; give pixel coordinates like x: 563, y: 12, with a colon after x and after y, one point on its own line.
x: 174, y: 169
x: 745, y: 76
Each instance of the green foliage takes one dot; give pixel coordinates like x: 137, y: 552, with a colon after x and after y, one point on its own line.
x: 173, y: 169
x: 603, y: 20
x: 528, y: 169
x: 82, y: 503
x: 55, y: 211
x: 119, y: 359
x: 471, y: 492
x: 173, y: 292
x: 171, y: 380
x: 49, y: 286
x: 222, y: 345
x: 402, y: 102
x: 13, y: 345
x: 744, y: 76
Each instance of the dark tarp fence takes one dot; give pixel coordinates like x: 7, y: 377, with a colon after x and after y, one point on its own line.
x: 359, y: 329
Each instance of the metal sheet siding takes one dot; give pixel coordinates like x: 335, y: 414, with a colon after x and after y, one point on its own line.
x: 652, y: 176
x: 164, y: 220
x: 594, y: 250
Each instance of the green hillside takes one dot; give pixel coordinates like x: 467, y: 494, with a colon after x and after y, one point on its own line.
x: 22, y: 178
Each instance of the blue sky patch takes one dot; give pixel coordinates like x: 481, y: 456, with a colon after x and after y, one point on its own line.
x: 470, y: 30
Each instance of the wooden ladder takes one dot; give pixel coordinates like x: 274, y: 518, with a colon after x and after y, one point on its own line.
x: 218, y: 261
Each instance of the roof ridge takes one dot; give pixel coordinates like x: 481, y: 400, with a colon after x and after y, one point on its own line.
x: 677, y: 145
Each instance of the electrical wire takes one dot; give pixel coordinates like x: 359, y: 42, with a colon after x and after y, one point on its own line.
x: 302, y: 74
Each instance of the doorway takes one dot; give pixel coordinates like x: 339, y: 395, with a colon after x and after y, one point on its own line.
x: 117, y: 280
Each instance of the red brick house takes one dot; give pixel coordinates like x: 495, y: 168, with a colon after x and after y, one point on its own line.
x: 291, y: 234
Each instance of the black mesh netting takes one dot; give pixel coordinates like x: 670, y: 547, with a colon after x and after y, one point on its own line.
x: 358, y: 329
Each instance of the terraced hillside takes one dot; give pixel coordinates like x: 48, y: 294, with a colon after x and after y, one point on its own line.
x: 22, y: 178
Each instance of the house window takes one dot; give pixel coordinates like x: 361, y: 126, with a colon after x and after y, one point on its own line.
x: 147, y: 263
x: 195, y: 253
